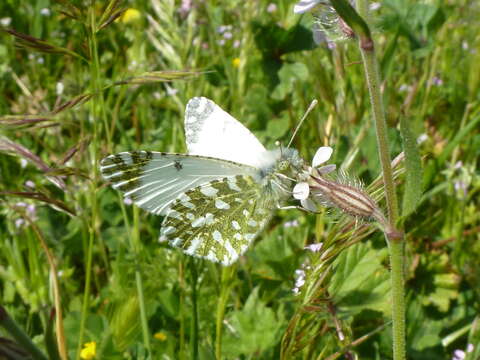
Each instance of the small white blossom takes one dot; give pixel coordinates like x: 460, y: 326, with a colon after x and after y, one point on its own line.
x: 375, y: 6
x: 5, y: 21
x: 45, y: 12
x: 127, y: 201
x: 171, y: 91
x: 422, y: 138
x: 299, y: 280
x: 458, y: 355
x: 331, y: 45
x: 271, y: 8
x: 23, y: 163
x: 186, y: 7
x: 222, y: 28
x: 227, y: 35
x: 437, y: 81
x: 304, y: 6
x: 236, y: 44
x: 314, y: 247
x: 30, y: 184
x: 301, y: 190
x: 19, y: 223
x: 293, y: 223
x: 60, y: 88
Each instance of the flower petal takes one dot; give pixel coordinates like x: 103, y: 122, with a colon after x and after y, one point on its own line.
x: 327, y: 169
x: 304, y: 6
x: 309, y: 205
x: 322, y: 155
x: 301, y: 191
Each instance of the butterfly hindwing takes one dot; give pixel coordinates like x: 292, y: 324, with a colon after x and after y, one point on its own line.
x: 217, y: 221
x: 154, y: 179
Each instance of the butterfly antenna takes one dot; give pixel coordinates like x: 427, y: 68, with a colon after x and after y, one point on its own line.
x: 310, y: 108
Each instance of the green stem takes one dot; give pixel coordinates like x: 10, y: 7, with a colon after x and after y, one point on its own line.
x: 227, y: 273
x: 20, y: 337
x: 194, y: 328
x: 394, y: 237
x: 398, y: 298
x: 93, y: 185
x: 139, y: 282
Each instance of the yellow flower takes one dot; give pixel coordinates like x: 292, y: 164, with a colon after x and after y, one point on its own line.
x: 160, y: 336
x: 236, y: 62
x: 89, y: 350
x: 130, y: 15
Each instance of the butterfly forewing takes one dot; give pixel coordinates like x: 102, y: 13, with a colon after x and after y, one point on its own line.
x: 217, y: 221
x: 153, y: 179
x: 210, y: 131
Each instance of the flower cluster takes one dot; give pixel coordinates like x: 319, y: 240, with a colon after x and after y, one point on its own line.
x: 316, y: 189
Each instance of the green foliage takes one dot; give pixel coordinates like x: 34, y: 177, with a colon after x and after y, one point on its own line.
x: 257, y: 327
x: 73, y: 93
x: 413, y: 166
x: 360, y: 280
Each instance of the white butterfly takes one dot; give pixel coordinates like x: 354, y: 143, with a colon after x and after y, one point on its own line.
x: 217, y: 198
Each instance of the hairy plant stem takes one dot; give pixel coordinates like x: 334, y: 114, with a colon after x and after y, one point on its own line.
x: 394, y: 237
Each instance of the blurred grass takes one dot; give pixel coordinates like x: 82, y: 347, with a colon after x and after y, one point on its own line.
x: 52, y: 112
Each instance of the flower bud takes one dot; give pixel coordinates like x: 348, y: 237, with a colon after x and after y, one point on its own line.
x: 347, y: 198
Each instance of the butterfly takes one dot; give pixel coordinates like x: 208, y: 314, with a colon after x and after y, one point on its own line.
x: 217, y: 198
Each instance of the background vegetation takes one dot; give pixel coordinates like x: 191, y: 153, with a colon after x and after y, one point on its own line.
x: 92, y: 88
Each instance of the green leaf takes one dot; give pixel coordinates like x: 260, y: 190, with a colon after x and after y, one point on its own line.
x: 289, y: 74
x: 413, y: 169
x: 256, y: 325
x: 422, y: 331
x: 360, y: 281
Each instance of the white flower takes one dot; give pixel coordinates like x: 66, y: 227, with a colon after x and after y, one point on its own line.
x: 293, y: 223
x: 299, y: 280
x: 60, y: 87
x: 313, y: 189
x: 5, y: 21
x: 45, y: 12
x: 458, y: 355
x: 314, y: 247
x: 422, y: 138
x: 305, y: 5
x: 301, y: 191
x: 271, y: 8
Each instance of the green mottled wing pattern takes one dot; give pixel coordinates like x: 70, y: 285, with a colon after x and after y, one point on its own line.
x: 219, y: 220
x: 153, y: 180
